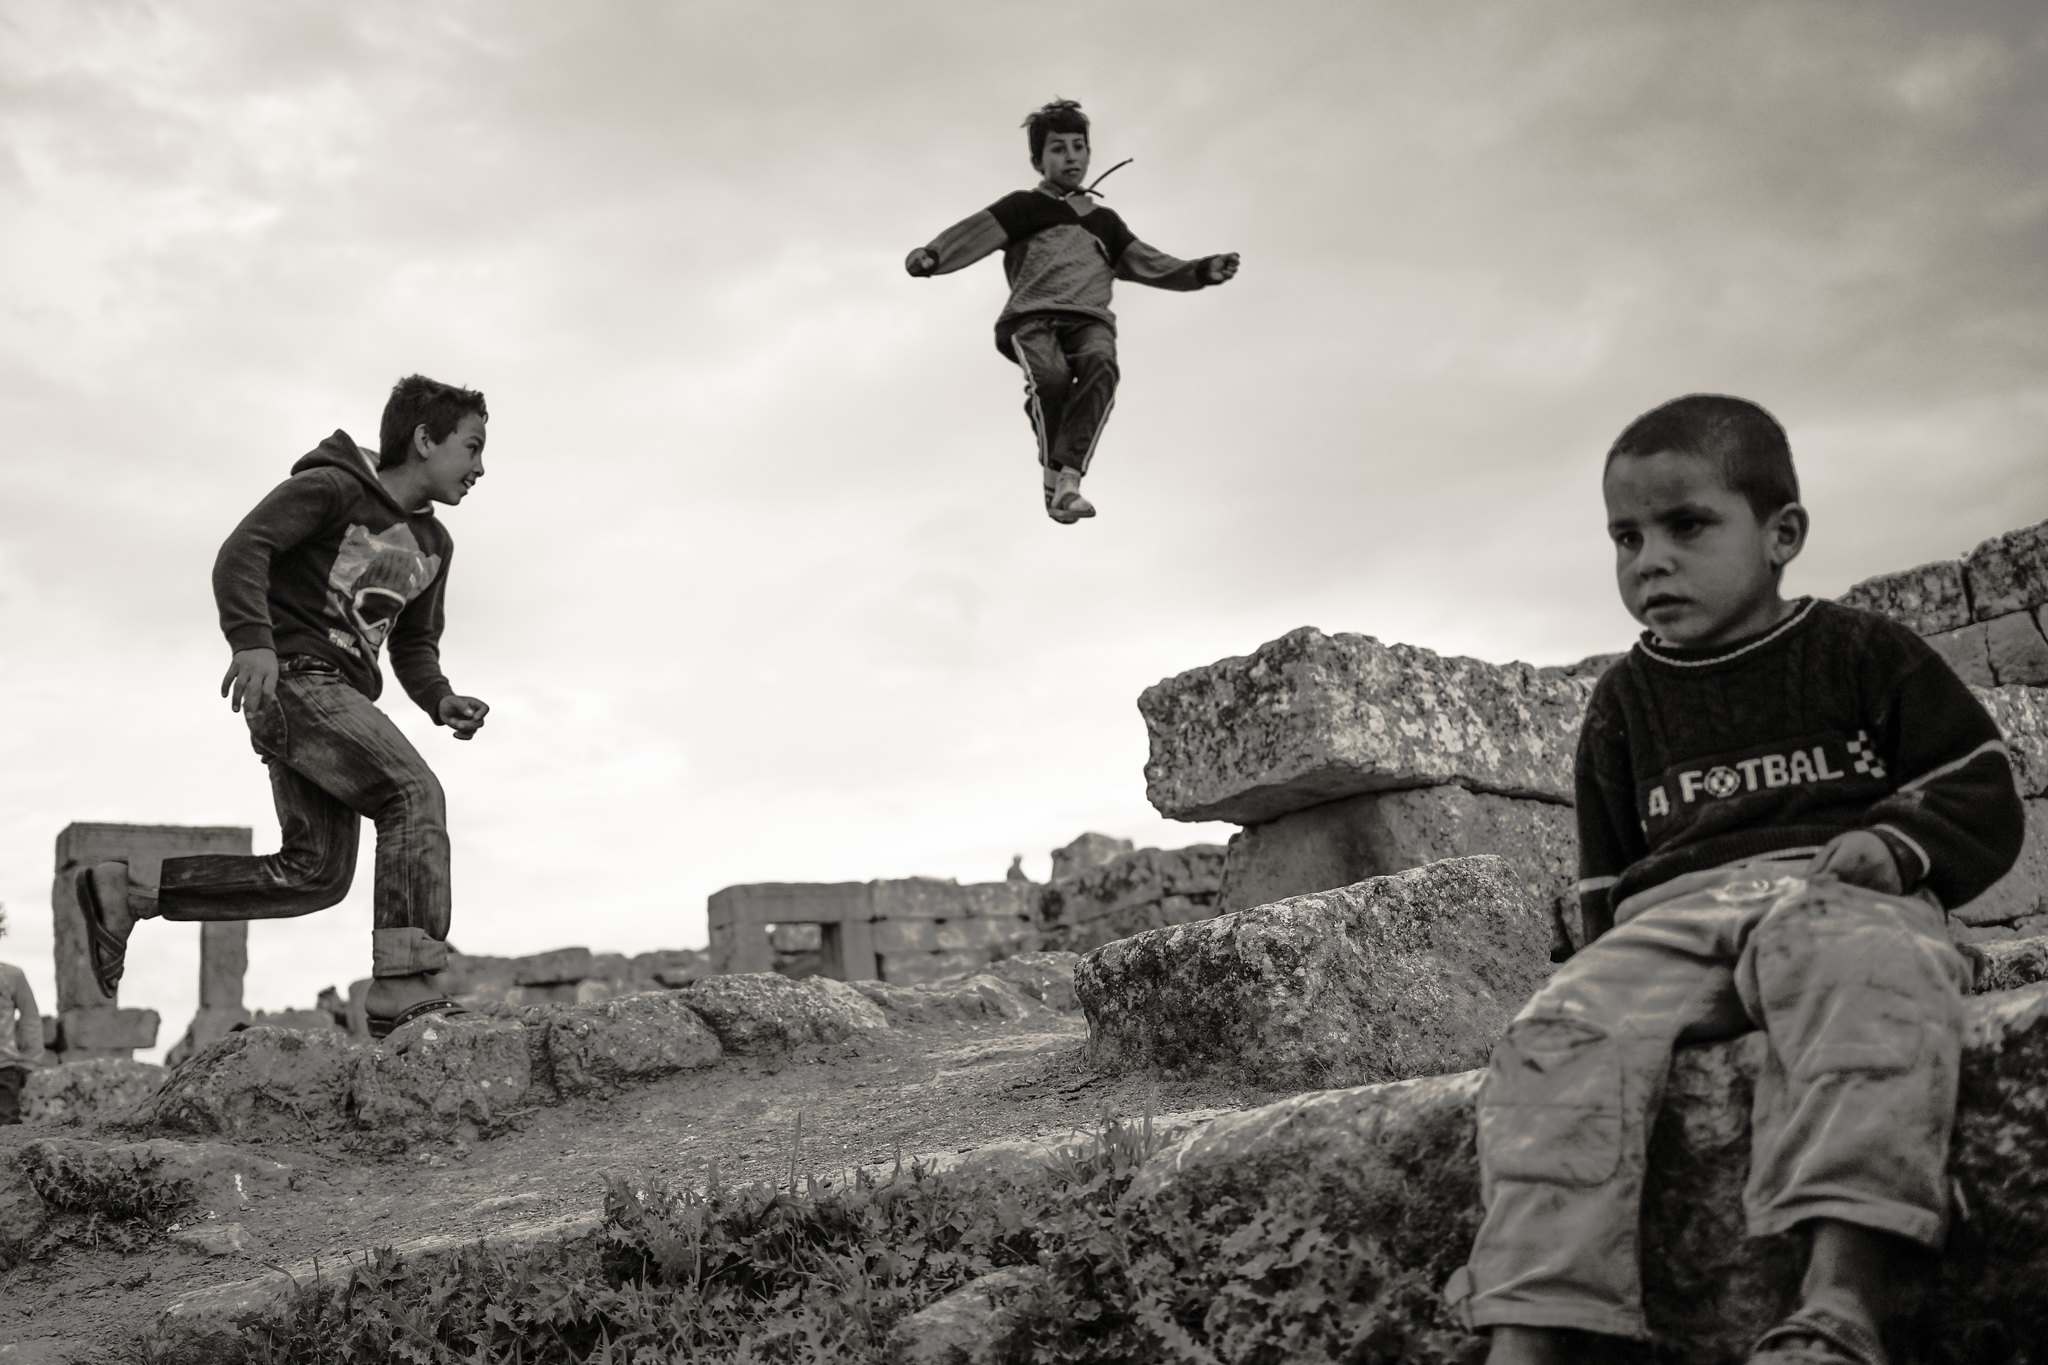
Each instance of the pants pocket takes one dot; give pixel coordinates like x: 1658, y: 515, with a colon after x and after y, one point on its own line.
x: 1550, y: 1109
x: 1878, y: 1030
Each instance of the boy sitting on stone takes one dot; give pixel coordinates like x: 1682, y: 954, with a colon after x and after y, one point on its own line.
x: 339, y: 558
x: 1062, y: 251
x: 1775, y: 802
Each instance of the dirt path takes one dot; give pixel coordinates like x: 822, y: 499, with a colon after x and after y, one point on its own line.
x: 917, y: 1089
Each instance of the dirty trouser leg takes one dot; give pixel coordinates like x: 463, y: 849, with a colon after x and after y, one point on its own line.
x: 334, y: 756
x: 1861, y: 995
x: 1035, y: 346
x: 1566, y: 1107
x: 1090, y: 349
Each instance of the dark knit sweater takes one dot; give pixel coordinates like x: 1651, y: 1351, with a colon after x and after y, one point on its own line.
x: 328, y: 565
x: 1834, y: 720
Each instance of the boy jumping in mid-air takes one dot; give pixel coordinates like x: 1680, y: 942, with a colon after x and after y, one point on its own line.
x: 1062, y: 251
x: 340, y: 558
x: 1775, y: 802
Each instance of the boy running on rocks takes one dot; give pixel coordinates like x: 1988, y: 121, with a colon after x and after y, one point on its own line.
x: 1775, y: 802
x: 340, y: 558
x: 1062, y: 252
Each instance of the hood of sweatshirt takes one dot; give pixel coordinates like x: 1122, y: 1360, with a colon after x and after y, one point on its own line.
x: 340, y: 451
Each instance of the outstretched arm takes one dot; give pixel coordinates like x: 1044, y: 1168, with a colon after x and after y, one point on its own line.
x: 962, y: 244
x: 1144, y: 263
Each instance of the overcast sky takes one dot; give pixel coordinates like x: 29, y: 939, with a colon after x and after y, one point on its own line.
x: 758, y: 583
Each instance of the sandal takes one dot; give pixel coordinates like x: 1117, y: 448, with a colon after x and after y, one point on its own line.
x: 1063, y: 500
x: 381, y: 1027
x: 1837, y: 1341
x: 109, y: 954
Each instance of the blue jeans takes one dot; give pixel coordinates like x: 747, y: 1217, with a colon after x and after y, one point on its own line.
x: 333, y: 758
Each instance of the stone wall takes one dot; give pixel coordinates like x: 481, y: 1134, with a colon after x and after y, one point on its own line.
x: 1146, y: 888
x: 904, y: 930
x: 1343, y: 758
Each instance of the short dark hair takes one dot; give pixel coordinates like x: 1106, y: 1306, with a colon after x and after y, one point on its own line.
x: 419, y: 401
x: 1736, y: 434
x: 1057, y: 116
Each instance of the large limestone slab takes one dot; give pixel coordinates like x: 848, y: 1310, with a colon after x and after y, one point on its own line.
x: 1394, y: 977
x: 1342, y: 842
x: 1310, y: 717
x: 259, y: 1083
x: 760, y: 1014
x: 438, y: 1073
x: 593, y: 1049
x: 1924, y: 600
x: 1389, y: 1176
x: 2009, y: 573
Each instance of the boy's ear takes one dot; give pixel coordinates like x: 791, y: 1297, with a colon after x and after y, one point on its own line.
x: 1785, y: 533
x: 421, y: 442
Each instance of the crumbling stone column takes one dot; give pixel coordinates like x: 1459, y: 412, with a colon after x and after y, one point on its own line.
x: 89, y: 1025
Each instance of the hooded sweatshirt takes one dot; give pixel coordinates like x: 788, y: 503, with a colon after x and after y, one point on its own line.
x: 328, y: 564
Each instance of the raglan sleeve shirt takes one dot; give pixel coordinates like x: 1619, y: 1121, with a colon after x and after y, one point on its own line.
x: 1956, y: 809
x: 1143, y: 263
x: 289, y: 515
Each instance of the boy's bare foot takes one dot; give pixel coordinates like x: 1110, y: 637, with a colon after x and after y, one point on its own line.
x: 1526, y: 1346
x: 1841, y: 1301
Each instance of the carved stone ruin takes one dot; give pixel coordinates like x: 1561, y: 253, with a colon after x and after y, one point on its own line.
x: 89, y: 1025
x: 906, y: 930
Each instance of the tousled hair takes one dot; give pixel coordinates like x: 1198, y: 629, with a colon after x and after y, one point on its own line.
x: 1056, y: 116
x: 1736, y: 434
x: 419, y: 401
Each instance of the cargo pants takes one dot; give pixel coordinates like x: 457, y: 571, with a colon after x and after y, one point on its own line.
x: 1860, y: 995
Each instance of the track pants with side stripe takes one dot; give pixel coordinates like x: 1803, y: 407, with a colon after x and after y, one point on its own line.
x: 1860, y: 996
x: 1070, y: 374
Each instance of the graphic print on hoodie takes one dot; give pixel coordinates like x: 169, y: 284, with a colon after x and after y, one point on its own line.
x: 329, y: 565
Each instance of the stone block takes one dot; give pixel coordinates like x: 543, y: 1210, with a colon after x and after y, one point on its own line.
x: 1086, y: 853
x: 1342, y: 842
x: 469, y: 978
x: 594, y: 1049
x: 980, y: 996
x: 562, y: 966
x: 609, y: 967
x: 561, y: 993
x: 670, y: 966
x: 1047, y: 978
x: 438, y: 1072
x: 1924, y: 600
x: 1146, y: 888
x: 898, y: 936
x: 23, y: 1215
x: 739, y: 916
x: 91, y: 1092
x: 106, y: 1030
x: 1394, y: 977
x: 261, y: 1083
x: 980, y: 934
x: 2018, y: 653
x: 761, y: 1014
x: 797, y: 938
x: 209, y: 1025
x: 1310, y: 718
x: 999, y: 899
x: 223, y: 962
x: 917, y: 968
x: 143, y: 848
x: 2009, y: 573
x: 916, y: 898
x: 2022, y: 716
x: 1968, y: 652
x: 2023, y: 891
x: 1388, y: 1174
x: 2012, y: 964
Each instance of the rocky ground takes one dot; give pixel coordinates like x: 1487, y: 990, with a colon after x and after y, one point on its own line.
x: 912, y: 1088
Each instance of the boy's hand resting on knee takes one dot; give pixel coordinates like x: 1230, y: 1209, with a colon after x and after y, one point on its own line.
x: 251, y: 680
x: 1859, y: 858
x: 463, y: 715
